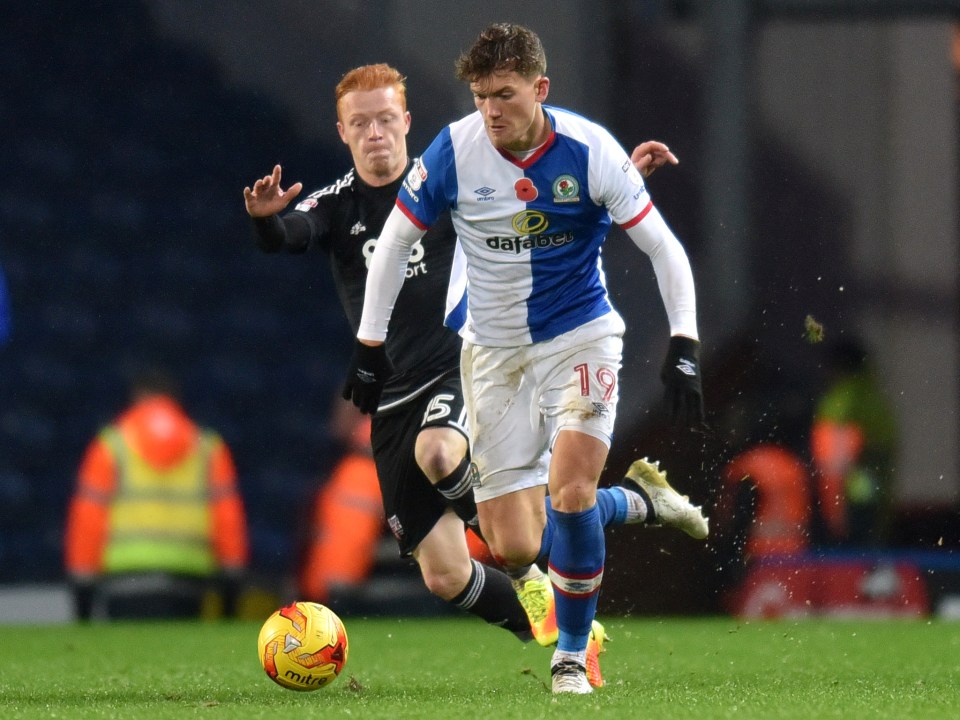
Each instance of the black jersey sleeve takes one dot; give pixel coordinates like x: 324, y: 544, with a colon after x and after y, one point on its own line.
x: 290, y: 233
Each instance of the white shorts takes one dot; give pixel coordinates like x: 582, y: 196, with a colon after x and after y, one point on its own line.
x: 519, y: 398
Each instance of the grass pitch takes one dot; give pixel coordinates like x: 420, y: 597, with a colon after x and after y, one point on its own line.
x: 459, y: 668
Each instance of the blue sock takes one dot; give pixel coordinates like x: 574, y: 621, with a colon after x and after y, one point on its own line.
x: 576, y: 570
x: 612, y: 504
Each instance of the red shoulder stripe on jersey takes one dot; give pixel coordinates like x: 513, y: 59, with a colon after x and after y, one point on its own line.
x: 643, y: 213
x: 524, y: 164
x: 410, y: 216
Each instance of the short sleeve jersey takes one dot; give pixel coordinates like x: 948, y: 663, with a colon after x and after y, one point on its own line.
x: 531, y: 229
x: 345, y: 221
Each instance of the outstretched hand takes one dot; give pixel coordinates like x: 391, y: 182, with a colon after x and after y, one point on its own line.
x: 267, y: 197
x: 650, y: 155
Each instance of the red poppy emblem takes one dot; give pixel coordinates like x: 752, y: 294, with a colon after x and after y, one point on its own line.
x: 526, y: 190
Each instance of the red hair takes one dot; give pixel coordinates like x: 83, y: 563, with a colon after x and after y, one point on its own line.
x: 372, y: 77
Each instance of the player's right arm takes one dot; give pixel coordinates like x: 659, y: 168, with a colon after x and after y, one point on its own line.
x: 428, y: 189
x: 266, y: 197
x: 264, y: 203
x: 388, y: 266
x: 370, y: 367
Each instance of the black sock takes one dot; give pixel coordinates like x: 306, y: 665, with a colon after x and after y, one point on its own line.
x: 458, y: 492
x: 490, y: 595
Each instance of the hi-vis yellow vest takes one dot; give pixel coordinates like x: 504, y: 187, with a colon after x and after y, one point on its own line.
x: 160, y: 519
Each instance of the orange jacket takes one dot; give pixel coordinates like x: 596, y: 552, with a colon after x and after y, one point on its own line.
x: 346, y: 525
x: 348, y: 520
x: 782, y: 517
x: 158, y: 431
x: 836, y: 449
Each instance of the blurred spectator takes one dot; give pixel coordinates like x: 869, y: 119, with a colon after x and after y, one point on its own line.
x: 347, y: 519
x: 853, y: 444
x: 764, y: 507
x: 156, y: 522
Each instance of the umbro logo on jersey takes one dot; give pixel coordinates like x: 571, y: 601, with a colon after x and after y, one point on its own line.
x: 484, y: 193
x: 357, y: 228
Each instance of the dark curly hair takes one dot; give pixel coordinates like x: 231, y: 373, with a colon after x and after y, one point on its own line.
x: 503, y: 47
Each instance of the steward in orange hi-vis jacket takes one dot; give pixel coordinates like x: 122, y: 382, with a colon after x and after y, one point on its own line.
x: 766, y: 497
x: 347, y: 521
x: 156, y: 517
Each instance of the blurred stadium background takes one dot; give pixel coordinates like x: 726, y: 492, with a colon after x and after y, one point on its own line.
x: 818, y: 176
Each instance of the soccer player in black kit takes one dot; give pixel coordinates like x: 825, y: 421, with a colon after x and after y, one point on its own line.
x: 419, y: 438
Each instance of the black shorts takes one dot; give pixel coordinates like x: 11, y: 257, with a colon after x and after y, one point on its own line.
x: 411, y: 504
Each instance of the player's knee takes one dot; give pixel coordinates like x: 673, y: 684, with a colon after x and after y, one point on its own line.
x: 447, y: 582
x: 436, y: 463
x: 515, y: 553
x: 437, y: 456
x: 574, y: 497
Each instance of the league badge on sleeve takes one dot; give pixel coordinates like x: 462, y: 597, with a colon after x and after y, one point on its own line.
x: 416, y: 176
x: 632, y: 173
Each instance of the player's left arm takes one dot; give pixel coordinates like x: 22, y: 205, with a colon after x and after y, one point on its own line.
x: 619, y: 186
x: 681, y: 372
x: 616, y: 182
x: 651, y: 234
x: 629, y: 203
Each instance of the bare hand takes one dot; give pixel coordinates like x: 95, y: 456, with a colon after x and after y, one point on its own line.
x: 650, y: 155
x: 267, y: 197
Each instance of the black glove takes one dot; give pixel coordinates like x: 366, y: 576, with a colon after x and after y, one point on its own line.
x: 681, y: 375
x: 369, y: 370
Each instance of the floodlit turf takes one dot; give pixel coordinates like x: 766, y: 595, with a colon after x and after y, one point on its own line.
x: 460, y: 669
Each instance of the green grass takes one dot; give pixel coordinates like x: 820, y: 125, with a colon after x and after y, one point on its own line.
x: 460, y: 669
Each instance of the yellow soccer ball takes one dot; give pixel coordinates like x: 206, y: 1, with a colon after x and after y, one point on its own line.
x: 303, y: 646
